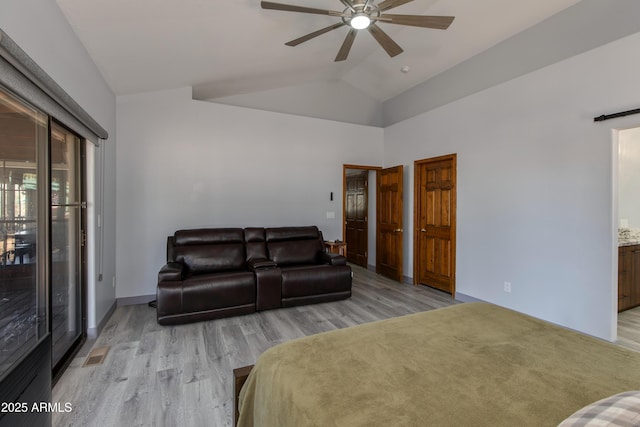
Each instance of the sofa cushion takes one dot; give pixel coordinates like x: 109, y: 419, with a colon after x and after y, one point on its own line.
x: 204, y: 236
x: 209, y: 250
x: 212, y: 291
x: 294, y: 245
x: 315, y: 280
x: 200, y: 259
x: 278, y: 234
x: 295, y: 252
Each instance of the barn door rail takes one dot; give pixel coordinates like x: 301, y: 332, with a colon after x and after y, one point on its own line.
x: 604, y: 117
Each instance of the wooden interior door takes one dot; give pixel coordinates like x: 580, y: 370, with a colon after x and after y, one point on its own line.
x: 389, y: 223
x: 357, y: 187
x: 435, y: 223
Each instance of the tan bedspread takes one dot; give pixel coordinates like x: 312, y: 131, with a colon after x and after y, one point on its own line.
x: 471, y: 364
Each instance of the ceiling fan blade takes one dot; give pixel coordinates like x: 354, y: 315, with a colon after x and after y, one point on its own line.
x: 309, y: 36
x: 385, y: 41
x: 437, y: 22
x: 349, y: 4
x: 390, y: 4
x: 346, y: 45
x: 292, y: 8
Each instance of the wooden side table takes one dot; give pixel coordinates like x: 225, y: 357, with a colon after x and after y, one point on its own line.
x: 336, y: 247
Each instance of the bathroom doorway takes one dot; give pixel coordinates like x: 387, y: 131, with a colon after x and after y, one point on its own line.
x: 628, y: 235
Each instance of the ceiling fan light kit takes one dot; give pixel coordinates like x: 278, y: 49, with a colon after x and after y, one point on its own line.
x: 360, y: 21
x: 360, y: 15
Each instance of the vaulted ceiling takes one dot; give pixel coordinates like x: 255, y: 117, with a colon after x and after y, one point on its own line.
x: 224, y: 48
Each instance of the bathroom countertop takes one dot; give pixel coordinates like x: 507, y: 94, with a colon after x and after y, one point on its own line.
x: 628, y: 236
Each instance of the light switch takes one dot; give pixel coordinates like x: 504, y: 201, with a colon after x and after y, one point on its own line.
x: 331, y: 215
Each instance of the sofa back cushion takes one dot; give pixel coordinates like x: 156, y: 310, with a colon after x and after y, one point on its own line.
x: 210, y: 250
x: 205, y: 236
x: 294, y: 245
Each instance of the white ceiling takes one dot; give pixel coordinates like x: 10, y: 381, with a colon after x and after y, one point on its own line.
x: 229, y: 47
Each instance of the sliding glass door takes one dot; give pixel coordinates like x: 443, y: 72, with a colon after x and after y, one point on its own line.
x: 23, y: 230
x: 42, y: 215
x: 67, y: 241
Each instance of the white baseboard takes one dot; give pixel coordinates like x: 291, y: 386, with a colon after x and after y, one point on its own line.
x: 92, y: 333
x: 142, y: 299
x: 467, y: 298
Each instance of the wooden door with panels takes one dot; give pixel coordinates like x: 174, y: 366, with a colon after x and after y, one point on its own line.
x: 357, y: 217
x: 389, y: 223
x: 435, y: 223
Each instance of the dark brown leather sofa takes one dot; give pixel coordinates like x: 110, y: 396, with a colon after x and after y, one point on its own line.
x: 221, y: 272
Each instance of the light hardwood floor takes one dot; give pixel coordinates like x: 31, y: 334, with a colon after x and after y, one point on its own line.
x: 629, y: 328
x: 182, y: 375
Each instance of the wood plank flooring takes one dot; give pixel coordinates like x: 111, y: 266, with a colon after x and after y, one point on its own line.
x: 182, y: 375
x: 629, y: 329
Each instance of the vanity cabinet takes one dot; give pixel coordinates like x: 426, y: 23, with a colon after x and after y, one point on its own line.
x: 628, y: 277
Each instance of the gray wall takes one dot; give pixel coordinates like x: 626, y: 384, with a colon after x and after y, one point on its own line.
x: 535, y: 185
x: 189, y: 164
x: 577, y: 29
x: 333, y: 100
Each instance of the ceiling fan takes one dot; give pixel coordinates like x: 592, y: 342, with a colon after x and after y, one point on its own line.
x: 360, y: 15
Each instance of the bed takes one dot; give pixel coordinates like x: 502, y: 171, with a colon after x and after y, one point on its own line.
x: 469, y: 364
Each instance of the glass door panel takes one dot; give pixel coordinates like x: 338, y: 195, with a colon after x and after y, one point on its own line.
x: 66, y: 242
x: 23, y: 306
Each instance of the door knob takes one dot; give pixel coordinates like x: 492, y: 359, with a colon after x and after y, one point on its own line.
x: 423, y: 231
x: 398, y: 230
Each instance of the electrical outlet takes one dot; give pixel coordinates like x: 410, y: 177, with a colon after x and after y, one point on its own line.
x: 507, y: 287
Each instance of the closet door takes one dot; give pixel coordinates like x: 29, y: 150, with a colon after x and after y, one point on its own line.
x: 435, y: 222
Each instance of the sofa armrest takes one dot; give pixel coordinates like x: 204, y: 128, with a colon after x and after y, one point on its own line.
x: 261, y: 264
x: 333, y: 259
x: 171, y: 271
x: 268, y: 288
